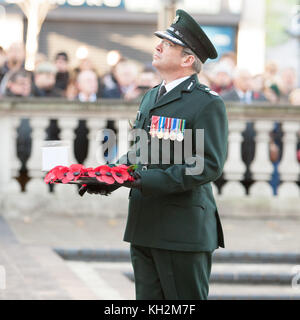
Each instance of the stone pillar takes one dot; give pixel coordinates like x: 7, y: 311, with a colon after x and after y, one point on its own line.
x: 289, y: 166
x: 261, y: 167
x: 8, y: 159
x: 67, y: 133
x: 34, y: 164
x: 95, y: 156
x: 234, y: 166
x: 122, y: 137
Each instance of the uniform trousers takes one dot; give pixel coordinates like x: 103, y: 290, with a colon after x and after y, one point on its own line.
x: 170, y: 275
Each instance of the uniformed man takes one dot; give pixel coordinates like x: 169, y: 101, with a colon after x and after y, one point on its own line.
x: 173, y: 224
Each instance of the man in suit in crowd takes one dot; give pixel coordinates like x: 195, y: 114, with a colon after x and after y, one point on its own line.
x: 173, y: 224
x: 242, y: 92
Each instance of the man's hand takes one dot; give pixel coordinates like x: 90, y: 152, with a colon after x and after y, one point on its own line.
x: 107, y: 189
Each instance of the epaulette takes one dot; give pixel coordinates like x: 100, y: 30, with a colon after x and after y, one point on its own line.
x: 206, y: 89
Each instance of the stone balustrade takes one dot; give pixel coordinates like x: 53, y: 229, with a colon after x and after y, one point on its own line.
x: 38, y: 199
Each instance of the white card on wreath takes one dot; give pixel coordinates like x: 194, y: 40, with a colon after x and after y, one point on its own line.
x: 55, y: 153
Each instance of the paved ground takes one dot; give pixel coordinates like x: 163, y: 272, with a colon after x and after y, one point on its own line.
x: 35, y: 271
x: 270, y: 235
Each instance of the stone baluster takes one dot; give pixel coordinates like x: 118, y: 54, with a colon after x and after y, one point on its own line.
x: 289, y: 167
x: 261, y: 167
x: 123, y: 136
x: 34, y: 164
x: 8, y: 159
x: 95, y: 155
x: 15, y: 161
x: 67, y: 133
x: 234, y: 166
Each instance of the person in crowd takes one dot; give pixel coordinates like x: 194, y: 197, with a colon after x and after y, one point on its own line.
x: 71, y: 92
x: 294, y: 97
x: 229, y: 59
x: 109, y: 87
x: 87, y: 86
x: 62, y: 75
x: 19, y: 85
x: 258, y: 86
x: 283, y: 89
x: 145, y: 81
x: 44, y: 87
x: 44, y: 81
x: 271, y: 73
x: 15, y: 57
x: 15, y: 60
x: 2, y: 62
x: 84, y: 64
x: 148, y: 78
x: 242, y: 92
x: 87, y: 91
x: 222, y: 79
x: 126, y: 73
x: 242, y: 88
x: 121, y: 83
x: 286, y: 83
x: 39, y: 58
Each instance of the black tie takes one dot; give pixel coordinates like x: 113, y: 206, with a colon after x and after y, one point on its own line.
x: 161, y: 92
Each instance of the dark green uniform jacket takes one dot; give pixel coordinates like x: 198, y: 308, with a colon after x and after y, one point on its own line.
x: 173, y: 210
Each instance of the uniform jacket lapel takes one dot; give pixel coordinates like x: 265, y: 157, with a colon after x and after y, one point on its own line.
x: 172, y: 95
x: 153, y: 96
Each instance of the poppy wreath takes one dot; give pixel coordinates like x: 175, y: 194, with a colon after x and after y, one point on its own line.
x: 103, y: 174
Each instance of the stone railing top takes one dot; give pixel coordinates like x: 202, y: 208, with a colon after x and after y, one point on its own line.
x: 116, y: 109
x: 61, y: 107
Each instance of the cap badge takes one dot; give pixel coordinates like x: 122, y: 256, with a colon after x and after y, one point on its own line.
x: 176, y: 19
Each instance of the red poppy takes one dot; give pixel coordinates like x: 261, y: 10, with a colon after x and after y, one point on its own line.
x: 106, y: 175
x: 103, y: 173
x: 120, y: 173
x: 130, y: 178
x: 93, y: 173
x: 57, y: 173
x: 88, y: 172
x: 75, y: 172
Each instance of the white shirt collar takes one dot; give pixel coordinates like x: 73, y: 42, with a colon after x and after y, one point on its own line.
x: 82, y: 98
x: 173, y: 84
x: 244, y: 96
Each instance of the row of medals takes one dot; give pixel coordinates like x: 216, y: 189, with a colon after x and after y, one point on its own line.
x: 173, y: 135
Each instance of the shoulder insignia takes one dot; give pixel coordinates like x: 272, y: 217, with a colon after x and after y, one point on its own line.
x: 207, y: 89
x: 213, y: 92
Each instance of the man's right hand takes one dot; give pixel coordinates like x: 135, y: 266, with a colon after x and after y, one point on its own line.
x: 101, y: 189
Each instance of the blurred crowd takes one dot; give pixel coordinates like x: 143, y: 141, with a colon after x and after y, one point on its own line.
x: 127, y: 80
